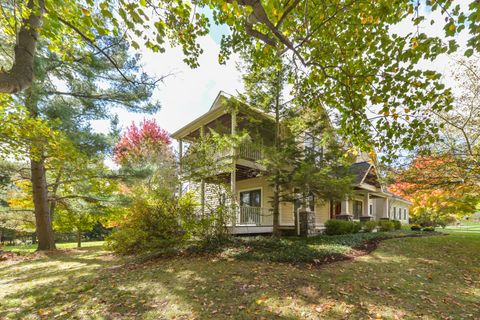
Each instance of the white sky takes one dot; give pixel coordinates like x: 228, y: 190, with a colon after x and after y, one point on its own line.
x: 190, y: 92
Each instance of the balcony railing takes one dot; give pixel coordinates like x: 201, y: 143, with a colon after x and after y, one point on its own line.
x: 249, y: 151
x: 254, y: 216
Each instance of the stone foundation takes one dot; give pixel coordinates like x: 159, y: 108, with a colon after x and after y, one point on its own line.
x: 307, y: 223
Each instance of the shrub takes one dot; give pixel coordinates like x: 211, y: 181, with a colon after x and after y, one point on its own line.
x: 415, y: 227
x: 385, y: 225
x: 152, y: 224
x: 334, y: 227
x: 397, y: 225
x: 356, y: 227
x: 430, y: 228
x: 369, y: 226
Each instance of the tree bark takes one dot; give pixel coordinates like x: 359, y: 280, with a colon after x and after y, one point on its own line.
x: 276, y: 184
x: 79, y: 238
x: 43, y: 220
x: 20, y: 75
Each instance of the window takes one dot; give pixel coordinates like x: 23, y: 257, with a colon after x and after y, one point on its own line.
x: 357, y: 209
x: 394, y: 213
x: 404, y: 214
x: 370, y: 207
x: 250, y: 203
x: 251, y: 198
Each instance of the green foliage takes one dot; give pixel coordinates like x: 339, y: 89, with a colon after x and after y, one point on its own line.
x: 354, y: 61
x: 297, y: 249
x: 386, y: 225
x: 155, y: 224
x: 339, y: 227
x: 415, y: 227
x: 447, y: 220
x: 369, y: 226
x: 429, y: 228
x: 397, y: 225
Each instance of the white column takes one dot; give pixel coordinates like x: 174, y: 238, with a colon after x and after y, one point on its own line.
x: 233, y: 176
x: 180, y: 155
x: 202, y: 182
x: 345, y: 206
x: 385, y: 208
x: 366, y: 204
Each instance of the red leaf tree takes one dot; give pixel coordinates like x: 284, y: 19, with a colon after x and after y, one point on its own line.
x: 142, y: 142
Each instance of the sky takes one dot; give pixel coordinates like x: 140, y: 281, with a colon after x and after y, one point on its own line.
x: 189, y: 93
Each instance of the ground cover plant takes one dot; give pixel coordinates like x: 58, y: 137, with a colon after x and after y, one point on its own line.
x: 415, y: 278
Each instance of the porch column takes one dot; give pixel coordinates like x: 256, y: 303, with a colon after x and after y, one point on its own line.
x: 180, y: 155
x: 366, y: 204
x: 386, y: 207
x: 202, y: 182
x: 345, y: 206
x: 233, y: 176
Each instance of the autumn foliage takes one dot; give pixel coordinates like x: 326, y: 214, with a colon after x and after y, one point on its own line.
x: 438, y: 187
x: 141, y: 142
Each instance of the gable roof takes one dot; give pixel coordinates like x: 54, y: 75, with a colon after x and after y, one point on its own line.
x: 360, y: 171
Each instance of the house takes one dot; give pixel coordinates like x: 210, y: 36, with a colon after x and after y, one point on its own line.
x: 249, y: 188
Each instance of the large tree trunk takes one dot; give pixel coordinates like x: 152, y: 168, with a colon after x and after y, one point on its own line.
x: 276, y: 184
x: 20, y: 75
x: 43, y: 220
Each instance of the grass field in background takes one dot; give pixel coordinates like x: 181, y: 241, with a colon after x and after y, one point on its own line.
x: 65, y: 245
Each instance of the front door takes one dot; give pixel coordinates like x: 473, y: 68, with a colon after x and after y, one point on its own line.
x: 335, y: 208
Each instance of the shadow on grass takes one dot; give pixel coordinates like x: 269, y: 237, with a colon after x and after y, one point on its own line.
x: 405, y: 278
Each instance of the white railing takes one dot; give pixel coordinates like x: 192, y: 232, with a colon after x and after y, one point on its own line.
x: 254, y: 216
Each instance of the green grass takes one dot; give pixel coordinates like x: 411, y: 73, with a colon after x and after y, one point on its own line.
x: 467, y: 226
x: 408, y: 278
x: 66, y: 245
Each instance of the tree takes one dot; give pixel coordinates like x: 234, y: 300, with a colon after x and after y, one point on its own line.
x: 65, y: 25
x: 347, y: 55
x: 305, y: 160
x: 144, y: 153
x: 64, y: 98
x: 436, y: 187
x: 443, y: 178
x: 156, y: 217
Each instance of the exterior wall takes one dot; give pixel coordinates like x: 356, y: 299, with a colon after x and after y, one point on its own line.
x: 402, y: 206
x: 322, y: 213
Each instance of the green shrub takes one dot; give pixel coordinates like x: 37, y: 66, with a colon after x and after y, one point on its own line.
x: 335, y: 227
x: 386, y: 225
x: 430, y: 228
x: 415, y: 227
x: 397, y: 225
x: 153, y: 225
x: 356, y: 227
x: 369, y: 226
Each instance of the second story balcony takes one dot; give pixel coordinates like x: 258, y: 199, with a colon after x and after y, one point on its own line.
x: 204, y: 143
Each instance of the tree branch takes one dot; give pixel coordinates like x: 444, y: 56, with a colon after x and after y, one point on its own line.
x: 20, y: 75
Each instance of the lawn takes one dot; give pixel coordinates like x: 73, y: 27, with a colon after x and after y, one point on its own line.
x: 407, y: 278
x: 466, y: 226
x: 66, y: 245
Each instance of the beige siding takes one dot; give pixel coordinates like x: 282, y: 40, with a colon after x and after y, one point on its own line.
x: 322, y: 212
x: 399, y: 205
x: 286, y: 208
x: 286, y: 214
